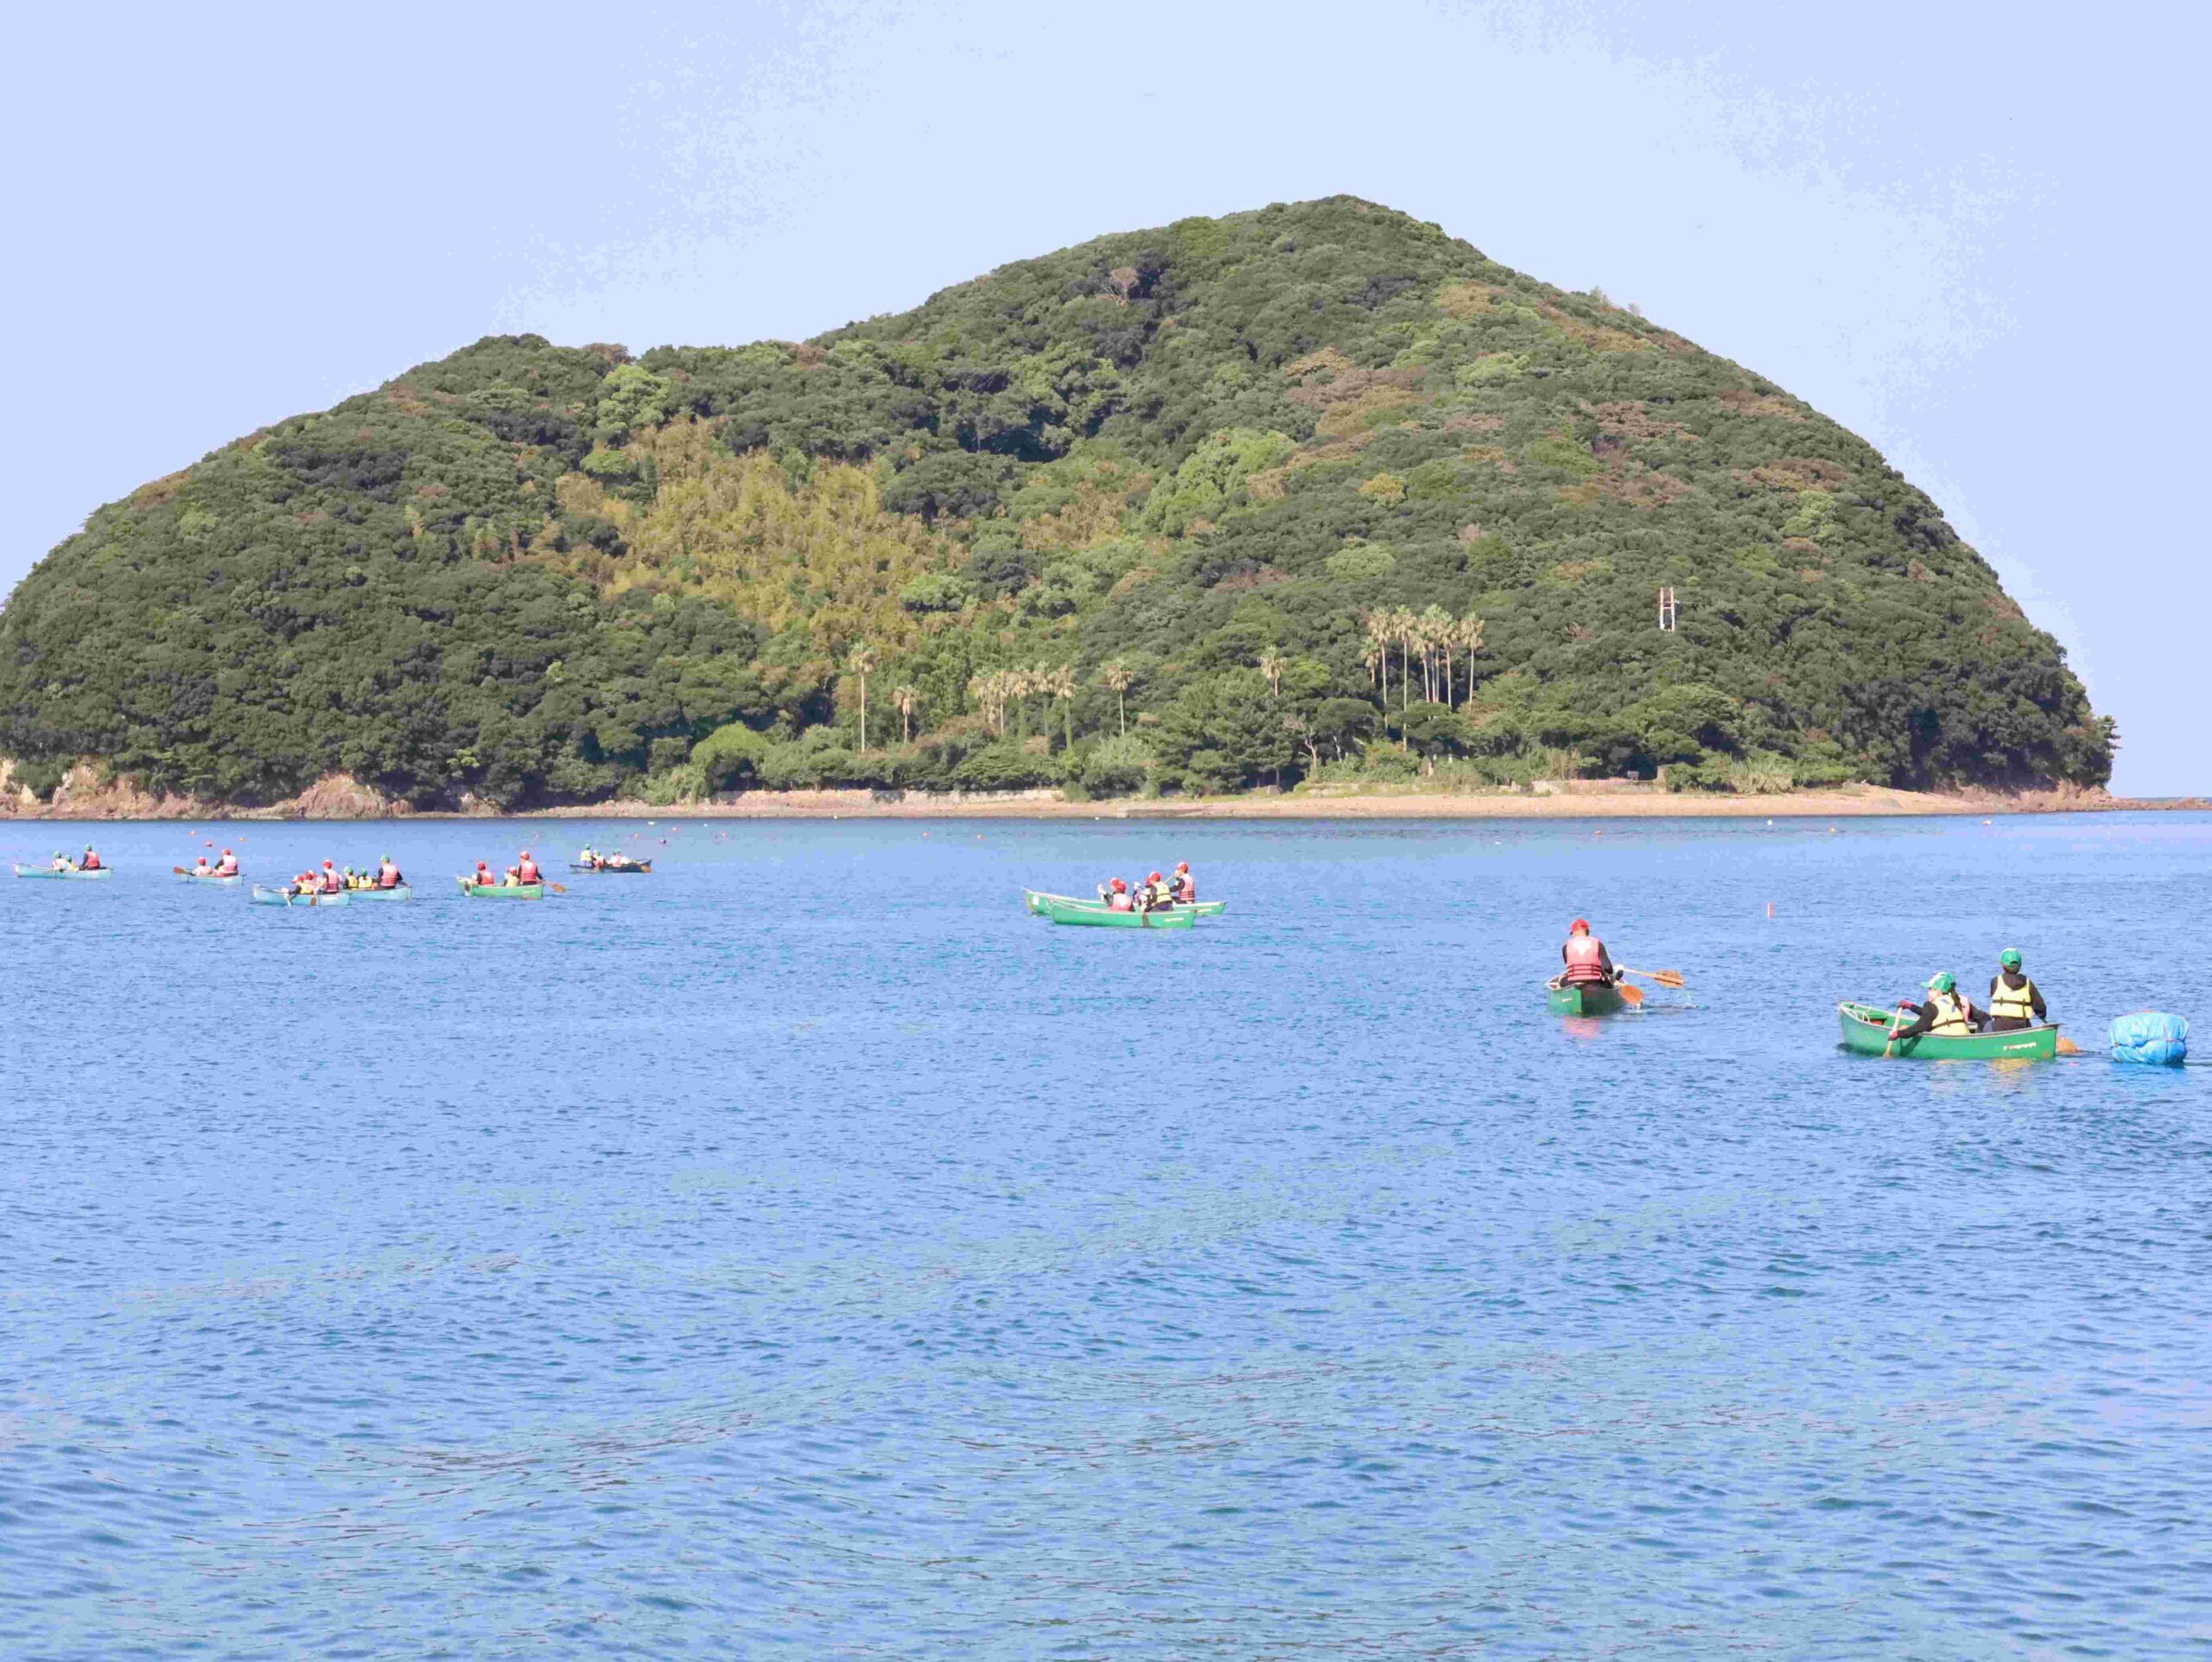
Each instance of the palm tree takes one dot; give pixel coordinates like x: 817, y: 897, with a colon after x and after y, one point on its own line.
x: 1469, y: 630
x: 1271, y: 665
x: 862, y: 660
x: 1403, y: 626
x: 906, y: 698
x: 1115, y: 675
x: 1378, y: 638
x: 1437, y: 626
x: 989, y: 692
x: 1060, y: 683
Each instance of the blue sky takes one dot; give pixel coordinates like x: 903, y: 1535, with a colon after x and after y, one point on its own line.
x: 1972, y: 236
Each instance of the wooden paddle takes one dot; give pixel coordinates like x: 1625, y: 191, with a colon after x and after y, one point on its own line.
x: 1664, y: 977
x: 1893, y: 1031
x: 2066, y: 1047
x: 557, y: 888
x: 1630, y: 996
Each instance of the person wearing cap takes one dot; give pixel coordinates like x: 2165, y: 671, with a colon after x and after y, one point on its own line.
x: 62, y: 862
x: 1948, y: 1013
x: 331, y: 881
x: 1588, y: 963
x: 228, y: 865
x: 2014, y: 1000
x: 483, y: 879
x: 91, y: 861
x: 1180, y: 889
x: 1155, y: 892
x: 526, y: 869
x: 388, y: 875
x: 1116, y: 894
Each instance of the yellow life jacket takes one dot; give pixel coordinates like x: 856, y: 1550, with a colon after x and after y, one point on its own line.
x: 2012, y: 1004
x: 1951, y: 1018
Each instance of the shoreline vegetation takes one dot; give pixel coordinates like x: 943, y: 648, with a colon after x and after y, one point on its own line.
x: 84, y: 798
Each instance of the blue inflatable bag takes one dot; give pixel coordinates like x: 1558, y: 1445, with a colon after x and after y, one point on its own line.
x: 2152, y: 1039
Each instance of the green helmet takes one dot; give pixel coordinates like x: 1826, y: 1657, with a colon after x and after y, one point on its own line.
x: 1942, y: 982
x: 2010, y: 958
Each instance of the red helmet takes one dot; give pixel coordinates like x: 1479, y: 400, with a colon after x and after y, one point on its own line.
x: 1182, y: 865
x: 1121, y: 883
x: 226, y: 851
x: 1580, y: 926
x: 525, y: 853
x: 326, y: 862
x: 1154, y: 878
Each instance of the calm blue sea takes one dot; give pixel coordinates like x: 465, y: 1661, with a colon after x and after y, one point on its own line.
x: 803, y: 1251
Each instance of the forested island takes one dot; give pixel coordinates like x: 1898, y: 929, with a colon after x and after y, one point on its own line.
x: 1313, y: 494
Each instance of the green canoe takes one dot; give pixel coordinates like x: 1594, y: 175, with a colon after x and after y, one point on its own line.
x: 501, y: 890
x: 48, y: 871
x: 232, y: 881
x: 261, y: 897
x: 1035, y: 899
x: 399, y: 891
x: 1867, y: 1032
x: 1094, y: 916
x: 1584, y: 999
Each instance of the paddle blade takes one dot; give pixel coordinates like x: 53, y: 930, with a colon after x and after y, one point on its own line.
x: 179, y: 871
x: 557, y: 888
x: 2066, y: 1047
x: 1632, y: 996
x: 1668, y: 977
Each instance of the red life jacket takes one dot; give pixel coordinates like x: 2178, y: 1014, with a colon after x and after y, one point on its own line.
x: 90, y: 863
x: 330, y: 883
x: 528, y: 870
x: 1586, y: 960
x: 1120, y: 902
x: 388, y: 877
x: 228, y: 867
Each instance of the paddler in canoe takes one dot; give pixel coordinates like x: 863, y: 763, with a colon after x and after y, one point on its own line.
x: 1949, y: 1012
x: 62, y: 862
x: 202, y: 868
x: 481, y: 878
x: 1116, y: 894
x: 228, y: 865
x: 1182, y: 889
x: 1588, y: 963
x: 525, y: 870
x: 91, y: 861
x: 2015, y: 1002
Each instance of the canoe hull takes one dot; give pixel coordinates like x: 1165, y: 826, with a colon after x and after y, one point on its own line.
x: 1586, y: 999
x: 1866, y: 1033
x: 643, y: 868
x: 1036, y: 899
x: 501, y: 890
x: 1096, y: 916
x: 261, y: 897
x: 216, y: 882
x: 402, y: 891
x: 74, y: 877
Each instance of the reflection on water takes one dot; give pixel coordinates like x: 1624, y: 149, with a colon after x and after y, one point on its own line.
x: 802, y: 1246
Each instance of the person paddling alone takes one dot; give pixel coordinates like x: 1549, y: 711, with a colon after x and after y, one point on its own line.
x: 2014, y: 1000
x: 1947, y: 1014
x: 1588, y: 963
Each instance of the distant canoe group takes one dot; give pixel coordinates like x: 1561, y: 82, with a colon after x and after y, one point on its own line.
x: 334, y: 886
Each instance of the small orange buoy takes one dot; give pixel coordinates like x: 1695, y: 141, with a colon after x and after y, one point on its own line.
x: 1770, y: 908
